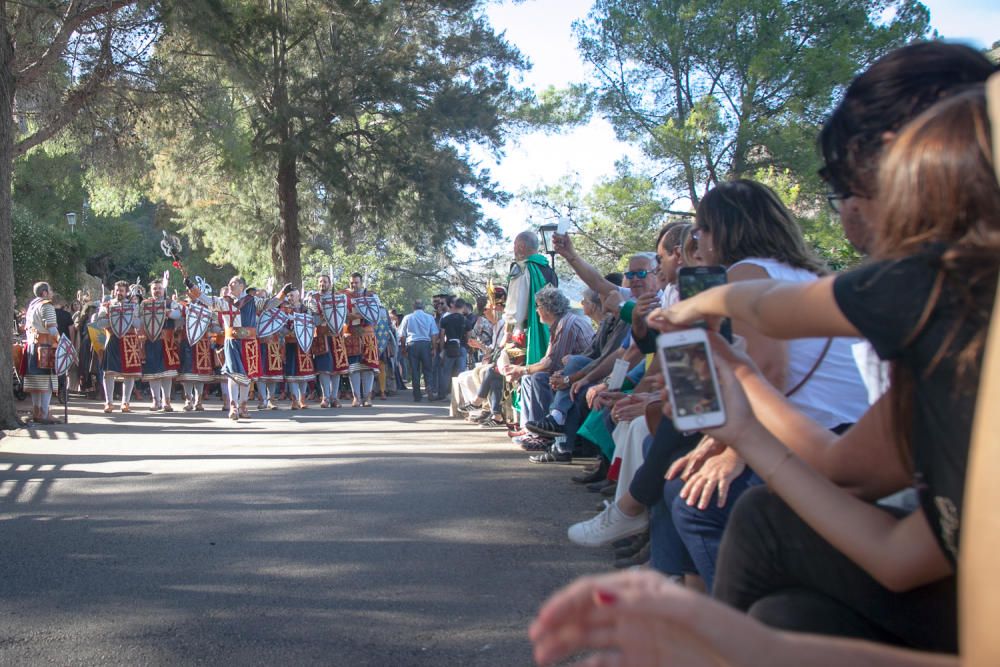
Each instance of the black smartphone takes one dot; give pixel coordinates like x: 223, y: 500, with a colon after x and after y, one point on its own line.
x: 694, y: 279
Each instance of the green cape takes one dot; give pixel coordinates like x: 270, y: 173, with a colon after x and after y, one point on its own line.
x: 536, y: 332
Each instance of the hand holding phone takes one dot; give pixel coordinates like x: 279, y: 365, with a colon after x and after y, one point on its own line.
x: 691, y: 379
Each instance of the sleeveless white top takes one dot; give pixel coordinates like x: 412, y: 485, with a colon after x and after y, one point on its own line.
x: 836, y: 393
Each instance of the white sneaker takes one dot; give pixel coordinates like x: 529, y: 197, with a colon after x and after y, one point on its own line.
x: 610, y: 525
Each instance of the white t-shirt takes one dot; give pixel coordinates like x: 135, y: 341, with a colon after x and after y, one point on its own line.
x: 835, y: 394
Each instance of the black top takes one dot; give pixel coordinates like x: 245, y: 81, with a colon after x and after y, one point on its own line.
x: 885, y: 302
x: 63, y: 321
x: 454, y: 326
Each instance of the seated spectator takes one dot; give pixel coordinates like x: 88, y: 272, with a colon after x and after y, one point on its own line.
x: 471, y: 383
x: 569, y: 334
x: 858, y: 569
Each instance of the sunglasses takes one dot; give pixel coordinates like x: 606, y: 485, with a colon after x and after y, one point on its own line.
x: 641, y: 273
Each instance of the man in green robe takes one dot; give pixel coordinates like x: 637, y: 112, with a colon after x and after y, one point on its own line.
x: 529, y: 273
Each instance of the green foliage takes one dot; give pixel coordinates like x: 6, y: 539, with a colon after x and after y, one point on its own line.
x: 820, y: 227
x: 42, y: 251
x: 617, y: 218
x: 373, y: 104
x: 558, y: 109
x: 718, y: 88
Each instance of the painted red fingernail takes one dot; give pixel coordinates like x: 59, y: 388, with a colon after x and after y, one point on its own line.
x: 606, y: 598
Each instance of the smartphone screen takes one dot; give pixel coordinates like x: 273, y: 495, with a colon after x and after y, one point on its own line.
x: 691, y: 281
x: 695, y: 279
x: 691, y: 382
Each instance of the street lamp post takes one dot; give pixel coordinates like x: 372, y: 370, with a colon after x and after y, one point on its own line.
x: 71, y: 221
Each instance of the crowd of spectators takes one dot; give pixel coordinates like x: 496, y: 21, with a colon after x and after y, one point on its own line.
x: 829, y: 505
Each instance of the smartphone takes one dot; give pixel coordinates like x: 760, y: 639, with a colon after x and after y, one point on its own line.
x: 691, y: 380
x: 694, y: 279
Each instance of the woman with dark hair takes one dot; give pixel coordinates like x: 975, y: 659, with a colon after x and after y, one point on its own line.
x: 839, y: 564
x: 876, y: 106
x: 828, y: 561
x: 743, y: 226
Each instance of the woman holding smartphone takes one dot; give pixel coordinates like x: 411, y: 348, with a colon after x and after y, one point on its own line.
x: 743, y: 226
x: 924, y: 304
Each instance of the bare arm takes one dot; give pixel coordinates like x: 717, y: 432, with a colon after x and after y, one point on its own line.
x: 864, y: 459
x: 772, y: 308
x: 769, y: 354
x: 587, y: 273
x: 899, y: 554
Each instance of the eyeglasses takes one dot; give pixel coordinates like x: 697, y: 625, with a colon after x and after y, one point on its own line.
x: 641, y: 273
x: 836, y: 200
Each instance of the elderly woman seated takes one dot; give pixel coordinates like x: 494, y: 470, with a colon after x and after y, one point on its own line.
x: 569, y: 334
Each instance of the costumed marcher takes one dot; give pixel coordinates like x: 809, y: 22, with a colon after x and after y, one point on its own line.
x: 123, y: 347
x: 241, y: 350
x: 43, y: 336
x: 197, y: 359
x: 158, y: 316
x: 270, y: 337
x: 388, y: 344
x: 299, y: 369
x: 529, y: 273
x: 362, y: 348
x: 329, y: 347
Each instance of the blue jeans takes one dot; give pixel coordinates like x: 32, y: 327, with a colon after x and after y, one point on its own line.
x: 419, y: 354
x: 536, y: 396
x: 492, y: 389
x: 701, y: 530
x: 562, y: 401
x: 450, y: 367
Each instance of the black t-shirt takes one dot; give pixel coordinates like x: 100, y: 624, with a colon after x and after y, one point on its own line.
x: 63, y: 321
x: 886, y: 301
x: 454, y: 326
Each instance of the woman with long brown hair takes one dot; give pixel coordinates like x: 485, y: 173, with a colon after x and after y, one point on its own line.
x: 924, y: 303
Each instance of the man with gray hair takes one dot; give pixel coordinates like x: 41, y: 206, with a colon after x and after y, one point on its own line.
x: 416, y: 333
x: 571, y: 334
x: 529, y: 273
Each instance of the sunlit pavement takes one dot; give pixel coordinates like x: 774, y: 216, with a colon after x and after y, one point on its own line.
x: 389, y: 535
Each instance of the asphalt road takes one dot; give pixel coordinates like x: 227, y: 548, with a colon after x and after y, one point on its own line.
x: 383, y: 536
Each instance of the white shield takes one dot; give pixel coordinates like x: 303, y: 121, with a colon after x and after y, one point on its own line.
x: 271, y: 322
x: 334, y: 309
x: 65, y: 355
x: 305, y: 330
x: 121, y: 318
x: 368, y: 307
x: 197, y: 321
x: 153, y: 314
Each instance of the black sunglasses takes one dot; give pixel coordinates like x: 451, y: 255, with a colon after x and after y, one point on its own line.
x: 641, y: 273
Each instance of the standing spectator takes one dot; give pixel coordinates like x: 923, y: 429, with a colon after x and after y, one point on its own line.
x: 454, y: 332
x: 416, y: 333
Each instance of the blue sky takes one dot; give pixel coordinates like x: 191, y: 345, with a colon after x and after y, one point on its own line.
x: 541, y: 29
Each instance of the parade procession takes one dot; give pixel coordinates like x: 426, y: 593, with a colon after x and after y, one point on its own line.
x: 236, y: 345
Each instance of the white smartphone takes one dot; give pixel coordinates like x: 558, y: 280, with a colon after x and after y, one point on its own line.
x: 691, y: 380
x: 563, y: 228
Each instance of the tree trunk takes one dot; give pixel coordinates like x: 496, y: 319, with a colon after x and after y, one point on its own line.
x: 287, y: 252
x: 8, y: 412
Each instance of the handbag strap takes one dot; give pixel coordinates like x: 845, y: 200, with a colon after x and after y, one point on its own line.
x: 815, y: 367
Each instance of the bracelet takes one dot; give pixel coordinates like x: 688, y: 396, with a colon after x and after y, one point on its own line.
x: 769, y: 476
